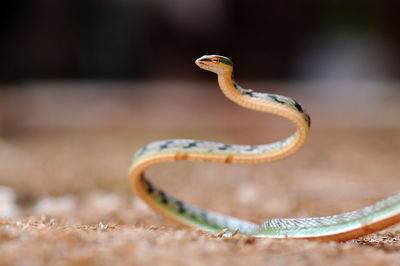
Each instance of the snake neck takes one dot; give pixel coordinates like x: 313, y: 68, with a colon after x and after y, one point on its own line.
x: 229, y: 87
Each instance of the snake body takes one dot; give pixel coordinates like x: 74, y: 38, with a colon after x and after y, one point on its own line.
x: 338, y: 227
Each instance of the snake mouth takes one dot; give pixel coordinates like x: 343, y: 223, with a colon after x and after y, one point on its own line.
x: 204, y: 61
x: 203, y: 64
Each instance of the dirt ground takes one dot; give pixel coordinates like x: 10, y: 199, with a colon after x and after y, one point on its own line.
x: 66, y: 148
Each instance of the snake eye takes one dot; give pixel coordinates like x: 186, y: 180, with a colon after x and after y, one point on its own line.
x: 215, y: 60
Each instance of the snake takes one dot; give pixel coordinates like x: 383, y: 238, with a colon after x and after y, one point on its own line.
x: 337, y: 227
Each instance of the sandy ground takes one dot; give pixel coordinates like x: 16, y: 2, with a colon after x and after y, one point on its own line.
x: 66, y: 148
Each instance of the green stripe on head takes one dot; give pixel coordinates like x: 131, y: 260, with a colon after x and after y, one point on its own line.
x: 225, y: 60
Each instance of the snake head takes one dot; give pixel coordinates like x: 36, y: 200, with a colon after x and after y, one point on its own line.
x: 218, y: 64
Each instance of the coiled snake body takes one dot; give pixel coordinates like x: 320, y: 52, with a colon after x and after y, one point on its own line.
x: 338, y: 227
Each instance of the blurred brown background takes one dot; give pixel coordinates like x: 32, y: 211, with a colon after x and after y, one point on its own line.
x: 114, y: 39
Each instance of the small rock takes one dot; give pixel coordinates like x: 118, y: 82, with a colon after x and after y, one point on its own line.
x: 8, y: 207
x: 53, y: 206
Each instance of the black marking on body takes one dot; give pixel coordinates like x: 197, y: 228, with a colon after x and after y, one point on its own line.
x: 150, y: 187
x: 249, y: 93
x: 163, y: 196
x: 298, y: 106
x: 308, y: 120
x: 142, y: 150
x: 225, y: 147
x: 190, y: 145
x: 165, y: 145
x: 251, y: 148
x: 275, y: 99
x: 179, y: 204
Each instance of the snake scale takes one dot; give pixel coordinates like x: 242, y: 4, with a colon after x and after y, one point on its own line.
x: 340, y: 227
